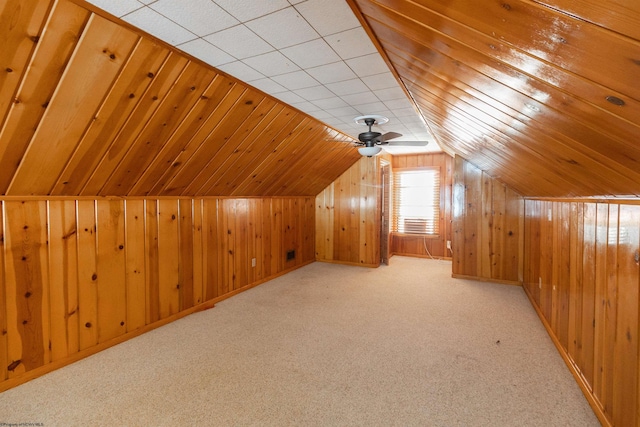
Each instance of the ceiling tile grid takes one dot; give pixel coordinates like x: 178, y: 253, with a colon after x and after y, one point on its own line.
x: 312, y: 54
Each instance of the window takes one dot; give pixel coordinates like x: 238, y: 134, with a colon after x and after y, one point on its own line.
x: 416, y: 201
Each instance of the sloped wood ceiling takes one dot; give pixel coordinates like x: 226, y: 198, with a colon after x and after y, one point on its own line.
x: 89, y: 107
x: 529, y: 91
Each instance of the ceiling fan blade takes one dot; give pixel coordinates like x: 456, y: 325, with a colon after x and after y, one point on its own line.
x: 389, y: 135
x: 407, y: 143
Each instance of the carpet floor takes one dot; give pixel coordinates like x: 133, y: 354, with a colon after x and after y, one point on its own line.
x: 326, y: 345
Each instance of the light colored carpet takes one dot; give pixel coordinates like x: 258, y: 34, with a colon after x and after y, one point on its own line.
x: 326, y: 345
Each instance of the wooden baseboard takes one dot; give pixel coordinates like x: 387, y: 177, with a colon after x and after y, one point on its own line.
x: 584, y: 386
x: 484, y: 279
x: 423, y: 256
x: 49, y: 367
x: 356, y: 264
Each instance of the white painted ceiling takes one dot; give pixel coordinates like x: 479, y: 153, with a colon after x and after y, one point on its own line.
x: 311, y: 54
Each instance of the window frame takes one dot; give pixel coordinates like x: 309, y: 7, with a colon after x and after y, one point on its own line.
x: 437, y: 205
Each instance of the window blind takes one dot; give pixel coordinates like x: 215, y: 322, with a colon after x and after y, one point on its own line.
x: 416, y: 201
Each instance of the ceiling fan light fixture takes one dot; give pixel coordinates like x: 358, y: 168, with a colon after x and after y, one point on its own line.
x: 369, y: 151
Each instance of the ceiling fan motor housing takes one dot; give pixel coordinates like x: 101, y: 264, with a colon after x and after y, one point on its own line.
x: 369, y: 137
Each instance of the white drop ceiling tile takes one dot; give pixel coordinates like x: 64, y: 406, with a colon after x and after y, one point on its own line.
x: 414, y: 120
x: 328, y: 16
x: 353, y: 129
x: 320, y: 114
x: 283, y: 28
x: 240, y: 42
x: 360, y: 98
x: 371, y: 108
x: 307, y: 107
x: 296, y: 80
x: 119, y: 8
x: 269, y: 86
x: 245, y: 10
x: 344, y: 113
x: 311, y: 54
x: 332, y: 73
x: 351, y: 43
x: 329, y: 103
x: 368, y: 65
x: 333, y: 122
x: 406, y: 112
x: 347, y: 87
x: 289, y: 97
x: 380, y: 81
x: 206, y: 52
x: 201, y: 17
x: 157, y: 25
x: 272, y: 64
x: 397, y: 103
x: 390, y: 94
x: 241, y: 71
x: 314, y: 93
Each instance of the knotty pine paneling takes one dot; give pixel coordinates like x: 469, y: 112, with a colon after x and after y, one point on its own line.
x: 487, y: 226
x: 77, y: 275
x: 91, y: 107
x: 348, y: 217
x: 413, y: 245
x: 582, y: 273
x: 541, y: 94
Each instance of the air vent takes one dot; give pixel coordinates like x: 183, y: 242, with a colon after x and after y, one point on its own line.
x: 291, y: 255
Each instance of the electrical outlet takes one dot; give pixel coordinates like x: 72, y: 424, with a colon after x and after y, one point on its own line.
x: 540, y: 282
x: 449, y: 244
x: 253, y: 262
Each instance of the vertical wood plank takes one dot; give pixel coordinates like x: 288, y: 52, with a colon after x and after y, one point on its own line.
x: 3, y: 301
x: 152, y: 262
x: 277, y: 249
x: 186, y: 253
x: 602, y: 228
x: 213, y: 241
x: 227, y: 227
x: 27, y: 274
x: 87, y: 274
x: 135, y: 270
x: 63, y: 275
x: 259, y: 206
x: 574, y: 327
x: 625, y: 358
x: 242, y: 259
x: 198, y: 253
x: 112, y: 294
x: 168, y: 258
x: 590, y: 302
x: 563, y: 270
x: 266, y: 238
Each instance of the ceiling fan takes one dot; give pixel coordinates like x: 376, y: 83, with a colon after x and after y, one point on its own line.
x: 370, y: 140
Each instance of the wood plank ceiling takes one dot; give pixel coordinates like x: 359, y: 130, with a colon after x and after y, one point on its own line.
x: 541, y: 94
x: 89, y: 107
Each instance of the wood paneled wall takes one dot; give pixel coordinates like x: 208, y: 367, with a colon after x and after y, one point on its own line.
x: 347, y: 216
x: 487, y: 226
x: 78, y: 274
x: 415, y: 245
x: 582, y: 273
